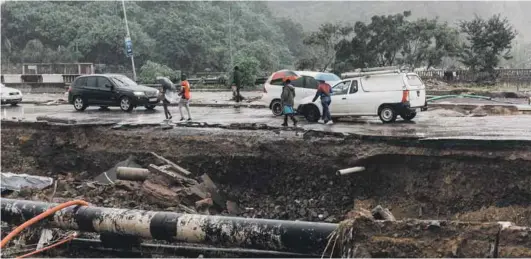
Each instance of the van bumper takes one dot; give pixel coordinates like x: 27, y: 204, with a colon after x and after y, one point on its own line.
x: 406, y: 106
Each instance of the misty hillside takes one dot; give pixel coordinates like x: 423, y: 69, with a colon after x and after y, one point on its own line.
x: 312, y: 14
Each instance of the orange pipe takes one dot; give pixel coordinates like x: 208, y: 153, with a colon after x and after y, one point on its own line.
x: 37, y: 218
x: 67, y: 239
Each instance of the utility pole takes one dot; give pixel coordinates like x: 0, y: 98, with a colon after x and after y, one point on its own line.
x: 129, y: 38
x: 230, y: 38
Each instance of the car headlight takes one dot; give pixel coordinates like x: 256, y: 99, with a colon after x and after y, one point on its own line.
x: 157, y: 93
x: 139, y: 93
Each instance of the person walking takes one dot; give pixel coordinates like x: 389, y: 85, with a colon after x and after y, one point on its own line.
x: 185, y: 98
x: 324, y: 91
x: 168, y: 91
x: 237, y: 82
x: 288, y: 98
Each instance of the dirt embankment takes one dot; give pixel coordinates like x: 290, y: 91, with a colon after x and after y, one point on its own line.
x: 286, y: 176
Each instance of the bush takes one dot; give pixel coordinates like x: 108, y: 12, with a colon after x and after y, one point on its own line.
x: 249, y: 69
x: 150, y: 71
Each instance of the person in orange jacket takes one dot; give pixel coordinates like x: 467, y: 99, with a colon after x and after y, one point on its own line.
x: 185, y: 98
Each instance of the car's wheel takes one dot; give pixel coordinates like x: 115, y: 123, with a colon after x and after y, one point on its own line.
x: 408, y: 115
x: 150, y: 107
x: 276, y: 107
x: 79, y: 103
x: 387, y: 114
x: 14, y: 104
x: 312, y: 114
x: 125, y: 104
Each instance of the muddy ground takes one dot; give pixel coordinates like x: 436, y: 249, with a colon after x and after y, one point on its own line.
x: 287, y: 175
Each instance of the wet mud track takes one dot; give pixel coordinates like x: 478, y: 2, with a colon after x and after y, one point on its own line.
x: 290, y: 175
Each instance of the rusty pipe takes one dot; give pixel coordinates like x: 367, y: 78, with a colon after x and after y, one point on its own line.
x: 250, y: 233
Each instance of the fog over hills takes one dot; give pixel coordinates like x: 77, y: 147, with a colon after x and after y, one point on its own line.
x: 312, y: 14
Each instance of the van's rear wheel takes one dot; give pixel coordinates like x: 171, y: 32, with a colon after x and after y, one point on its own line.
x: 311, y: 113
x: 276, y: 107
x: 408, y: 115
x: 387, y: 114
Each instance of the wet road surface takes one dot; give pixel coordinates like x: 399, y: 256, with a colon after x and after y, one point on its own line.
x: 430, y: 124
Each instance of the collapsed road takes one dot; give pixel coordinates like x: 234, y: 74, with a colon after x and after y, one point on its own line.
x: 289, y: 175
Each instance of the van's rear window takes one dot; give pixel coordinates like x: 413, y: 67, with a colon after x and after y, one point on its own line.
x: 414, y: 80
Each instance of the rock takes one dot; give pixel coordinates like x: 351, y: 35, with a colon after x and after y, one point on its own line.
x: 233, y: 208
x: 382, y: 213
x: 127, y: 185
x: 331, y: 219
x: 302, y: 212
x: 159, y: 194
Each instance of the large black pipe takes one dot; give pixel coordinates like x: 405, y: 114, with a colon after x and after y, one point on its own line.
x: 278, y: 235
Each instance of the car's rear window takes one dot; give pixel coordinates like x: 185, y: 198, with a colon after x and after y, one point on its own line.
x: 80, y: 82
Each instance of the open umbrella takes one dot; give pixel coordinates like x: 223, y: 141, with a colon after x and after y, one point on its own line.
x: 279, y: 76
x: 283, y: 74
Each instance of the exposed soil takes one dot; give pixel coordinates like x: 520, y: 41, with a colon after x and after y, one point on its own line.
x: 284, y: 176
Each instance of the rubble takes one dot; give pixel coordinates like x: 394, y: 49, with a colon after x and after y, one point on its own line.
x: 363, y: 236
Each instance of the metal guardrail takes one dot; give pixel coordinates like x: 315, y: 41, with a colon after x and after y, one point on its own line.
x: 503, y: 75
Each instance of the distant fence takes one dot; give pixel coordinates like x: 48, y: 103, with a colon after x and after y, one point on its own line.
x: 467, y: 76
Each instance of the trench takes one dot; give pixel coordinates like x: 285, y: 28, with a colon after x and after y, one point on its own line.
x: 292, y: 178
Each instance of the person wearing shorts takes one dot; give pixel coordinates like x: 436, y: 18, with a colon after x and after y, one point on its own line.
x: 287, y: 98
x: 185, y: 98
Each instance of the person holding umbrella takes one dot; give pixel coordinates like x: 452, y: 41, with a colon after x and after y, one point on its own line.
x: 287, y: 98
x: 167, y: 94
x: 324, y: 91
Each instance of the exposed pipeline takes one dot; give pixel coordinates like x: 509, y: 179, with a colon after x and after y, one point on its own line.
x: 249, y: 233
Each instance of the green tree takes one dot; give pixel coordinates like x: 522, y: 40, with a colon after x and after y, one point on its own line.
x: 327, y: 38
x: 486, y: 42
x: 150, y: 70
x: 428, y: 42
x: 249, y: 67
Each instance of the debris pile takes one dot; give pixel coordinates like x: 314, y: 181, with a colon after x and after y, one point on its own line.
x: 163, y: 186
x: 170, y: 186
x: 365, y: 234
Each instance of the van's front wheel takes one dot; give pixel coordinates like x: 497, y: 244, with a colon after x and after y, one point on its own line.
x: 408, y: 115
x: 387, y: 114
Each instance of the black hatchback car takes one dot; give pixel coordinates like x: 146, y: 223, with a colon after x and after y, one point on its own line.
x: 111, y: 90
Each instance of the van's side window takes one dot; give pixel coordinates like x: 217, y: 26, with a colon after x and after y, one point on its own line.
x: 354, y: 87
x: 341, y: 88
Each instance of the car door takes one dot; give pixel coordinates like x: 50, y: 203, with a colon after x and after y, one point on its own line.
x: 91, y: 90
x: 105, y: 93
x: 340, y: 101
x: 356, y: 102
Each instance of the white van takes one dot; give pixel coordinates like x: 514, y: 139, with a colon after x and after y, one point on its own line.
x: 305, y: 86
x: 386, y: 95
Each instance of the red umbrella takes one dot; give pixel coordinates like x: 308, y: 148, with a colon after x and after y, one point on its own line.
x: 282, y: 74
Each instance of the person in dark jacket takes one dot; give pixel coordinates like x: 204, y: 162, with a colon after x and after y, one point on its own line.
x: 324, y: 91
x: 237, y: 81
x: 288, y: 98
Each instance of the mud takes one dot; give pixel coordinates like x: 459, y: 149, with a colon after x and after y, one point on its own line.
x: 287, y: 175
